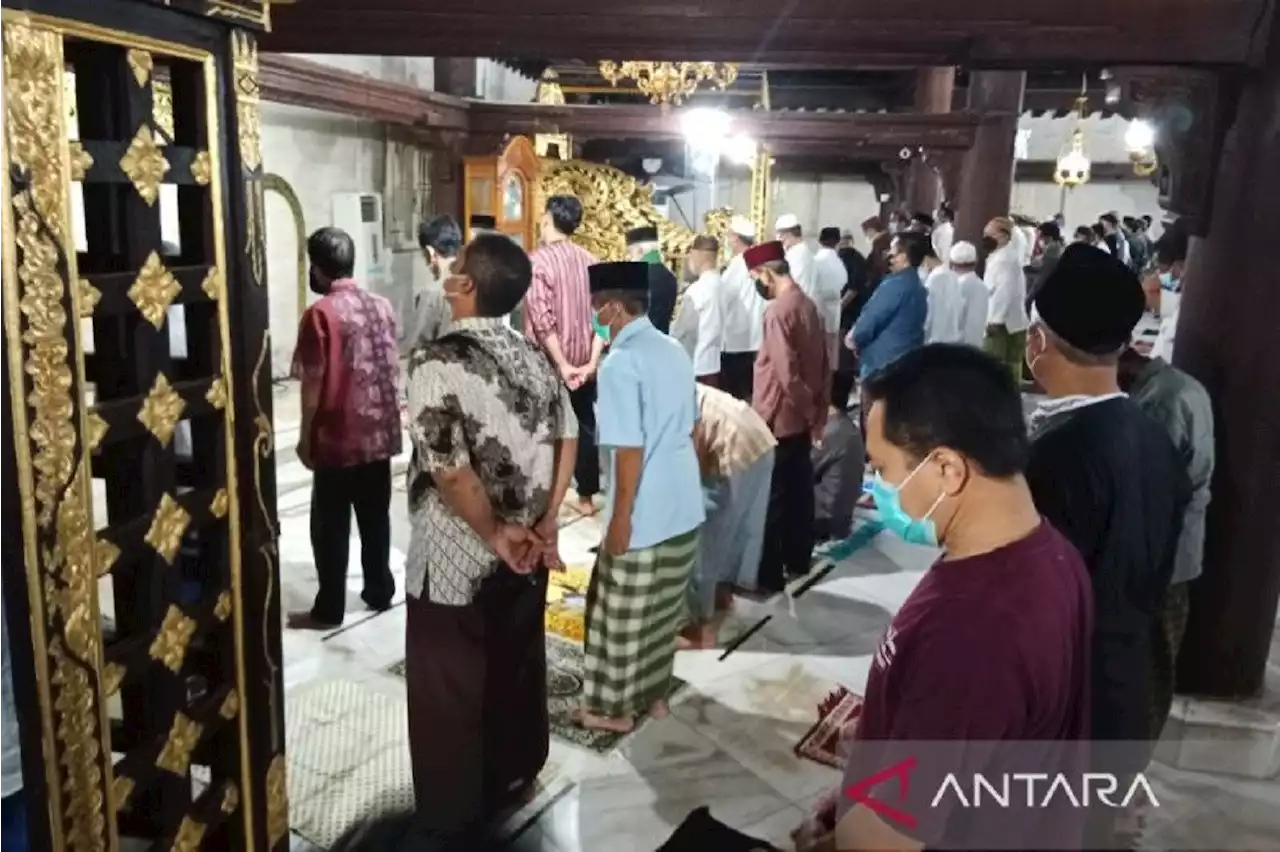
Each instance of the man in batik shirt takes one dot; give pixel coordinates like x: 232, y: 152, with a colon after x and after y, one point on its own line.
x: 347, y: 361
x: 495, y: 440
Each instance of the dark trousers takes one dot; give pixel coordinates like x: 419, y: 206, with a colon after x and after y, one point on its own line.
x: 476, y: 678
x: 586, y: 472
x: 335, y: 492
x: 13, y: 822
x: 788, y: 528
x: 737, y: 374
x: 1167, y: 630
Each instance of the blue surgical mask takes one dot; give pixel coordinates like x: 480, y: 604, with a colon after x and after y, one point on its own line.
x: 888, y: 499
x: 1168, y: 282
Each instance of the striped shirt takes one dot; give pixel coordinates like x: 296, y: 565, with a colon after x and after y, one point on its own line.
x: 729, y: 436
x: 559, y: 300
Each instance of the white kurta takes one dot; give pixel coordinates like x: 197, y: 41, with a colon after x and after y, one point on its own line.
x: 943, y: 235
x: 800, y: 259
x: 973, y: 309
x: 830, y: 277
x: 684, y: 327
x: 743, y: 329
x: 942, y: 323
x: 1008, y: 287
x: 704, y: 294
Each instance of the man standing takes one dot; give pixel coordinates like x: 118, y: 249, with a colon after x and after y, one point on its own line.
x: 347, y: 362
x: 799, y: 257
x: 1114, y: 237
x: 1171, y: 259
x: 648, y: 408
x: 493, y: 432
x: 973, y: 293
x: 705, y: 296
x: 1107, y: 476
x: 830, y: 278
x: 735, y: 455
x: 1181, y: 405
x: 642, y: 245
x: 944, y: 232
x: 440, y: 239
x: 745, y: 322
x: 791, y: 378
x: 893, y: 320
x: 1007, y: 309
x: 943, y: 322
x: 558, y: 317
x: 1049, y: 246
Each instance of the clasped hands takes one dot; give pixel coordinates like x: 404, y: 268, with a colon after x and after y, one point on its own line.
x: 525, y: 549
x: 576, y: 377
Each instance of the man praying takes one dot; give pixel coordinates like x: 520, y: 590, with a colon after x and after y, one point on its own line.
x: 643, y: 245
x: 704, y: 295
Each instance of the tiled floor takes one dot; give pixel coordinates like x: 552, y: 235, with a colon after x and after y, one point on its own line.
x: 727, y: 743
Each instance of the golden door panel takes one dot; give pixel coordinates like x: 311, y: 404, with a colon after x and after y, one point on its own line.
x: 116, y: 323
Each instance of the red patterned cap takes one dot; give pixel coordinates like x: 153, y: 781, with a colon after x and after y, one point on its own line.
x: 759, y: 255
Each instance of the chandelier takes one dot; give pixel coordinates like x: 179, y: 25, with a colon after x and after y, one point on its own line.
x: 669, y: 82
x: 1074, y: 168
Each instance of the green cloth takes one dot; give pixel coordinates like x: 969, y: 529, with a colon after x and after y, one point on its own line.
x: 653, y: 256
x: 1009, y: 349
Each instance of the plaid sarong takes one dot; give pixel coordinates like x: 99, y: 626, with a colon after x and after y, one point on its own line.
x: 635, y: 605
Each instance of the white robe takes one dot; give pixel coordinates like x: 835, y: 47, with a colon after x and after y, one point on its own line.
x: 744, y: 326
x: 942, y: 323
x: 830, y: 279
x: 704, y: 295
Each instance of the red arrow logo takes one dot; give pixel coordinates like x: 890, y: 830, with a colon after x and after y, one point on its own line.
x: 861, y: 792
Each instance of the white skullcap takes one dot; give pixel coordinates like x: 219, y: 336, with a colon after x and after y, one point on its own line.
x: 964, y: 253
x: 786, y: 222
x: 743, y: 227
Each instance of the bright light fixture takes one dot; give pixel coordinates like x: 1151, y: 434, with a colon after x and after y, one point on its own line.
x: 1140, y: 136
x: 740, y: 150
x: 705, y: 127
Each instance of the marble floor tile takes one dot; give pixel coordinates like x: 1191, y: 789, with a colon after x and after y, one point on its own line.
x: 886, y: 591
x: 908, y: 557
x: 817, y: 619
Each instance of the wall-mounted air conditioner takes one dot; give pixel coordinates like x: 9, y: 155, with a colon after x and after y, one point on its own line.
x: 360, y: 215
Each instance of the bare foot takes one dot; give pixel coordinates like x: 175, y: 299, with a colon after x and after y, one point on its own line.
x: 306, y: 621
x: 696, y: 637
x: 659, y: 709
x: 724, y: 598
x: 583, y: 506
x: 592, y: 722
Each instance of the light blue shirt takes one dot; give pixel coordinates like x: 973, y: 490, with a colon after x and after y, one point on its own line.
x: 646, y: 398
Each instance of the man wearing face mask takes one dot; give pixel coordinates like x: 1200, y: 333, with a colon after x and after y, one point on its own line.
x: 893, y: 320
x: 1006, y: 310
x: 347, y: 362
x: 1171, y: 258
x: 440, y: 239
x: 643, y: 245
x: 1107, y: 476
x: 992, y: 645
x: 791, y: 389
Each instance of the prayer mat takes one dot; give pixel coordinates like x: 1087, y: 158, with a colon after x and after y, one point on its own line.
x: 566, y: 602
x: 821, y: 743
x: 701, y: 832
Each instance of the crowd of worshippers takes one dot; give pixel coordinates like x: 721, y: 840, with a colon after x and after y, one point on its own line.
x: 708, y: 416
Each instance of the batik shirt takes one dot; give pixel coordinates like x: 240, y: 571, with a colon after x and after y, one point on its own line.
x: 480, y: 396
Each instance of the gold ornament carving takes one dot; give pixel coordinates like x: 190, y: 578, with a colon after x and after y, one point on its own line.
x: 121, y: 790
x: 230, y: 706
x: 218, y: 506
x: 56, y: 520
x: 141, y: 64
x: 112, y: 677
x: 217, y: 395
x: 189, y: 837
x: 170, y: 645
x: 184, y: 736
x: 161, y: 410
x: 97, y: 429
x: 669, y: 83
x: 105, y: 554
x: 202, y: 168
x: 256, y: 12
x: 255, y: 233
x: 245, y: 62
x: 230, y: 798
x: 162, y: 109
x: 212, y: 284
x: 167, y: 526
x: 222, y: 609
x: 277, y: 801
x: 144, y: 165
x: 81, y: 160
x: 89, y: 297
x: 154, y: 290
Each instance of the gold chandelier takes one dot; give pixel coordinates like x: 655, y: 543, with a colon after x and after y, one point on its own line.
x: 669, y: 82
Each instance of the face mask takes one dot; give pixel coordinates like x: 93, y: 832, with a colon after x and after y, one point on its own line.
x: 763, y: 290
x: 316, y: 283
x: 990, y: 244
x: 1032, y: 359
x: 888, y: 499
x: 1169, y: 283
x: 601, y: 329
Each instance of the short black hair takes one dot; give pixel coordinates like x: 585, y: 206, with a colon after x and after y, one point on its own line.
x: 915, y: 246
x: 1050, y: 231
x: 956, y: 396
x: 923, y: 218
x: 1086, y: 231
x: 566, y: 213
x: 636, y: 302
x: 1146, y: 219
x: 332, y: 251
x: 1110, y: 219
x: 501, y: 271
x: 442, y: 234
x: 1172, y: 246
x: 945, y: 213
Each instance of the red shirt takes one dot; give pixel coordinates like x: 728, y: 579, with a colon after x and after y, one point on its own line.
x: 559, y: 300
x: 985, y: 652
x: 347, y: 344
x: 793, y: 367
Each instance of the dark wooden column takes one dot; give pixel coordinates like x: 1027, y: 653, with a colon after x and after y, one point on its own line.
x: 934, y: 88
x: 986, y: 183
x: 454, y: 76
x: 1227, y: 339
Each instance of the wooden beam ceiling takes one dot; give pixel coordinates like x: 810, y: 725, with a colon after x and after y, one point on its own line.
x: 850, y: 33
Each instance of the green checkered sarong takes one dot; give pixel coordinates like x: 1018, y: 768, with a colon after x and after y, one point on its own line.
x: 635, y: 605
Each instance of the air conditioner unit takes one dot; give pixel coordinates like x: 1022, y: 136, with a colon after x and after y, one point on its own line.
x: 360, y: 215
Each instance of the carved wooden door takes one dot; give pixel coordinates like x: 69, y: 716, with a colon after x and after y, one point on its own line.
x: 137, y: 392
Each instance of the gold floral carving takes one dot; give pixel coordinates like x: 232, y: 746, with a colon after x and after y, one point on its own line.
x: 97, y: 429
x: 121, y: 790
x: 140, y: 63
x: 202, y: 168
x: 144, y: 165
x: 170, y: 645
x: 212, y: 285
x: 55, y: 509
x: 81, y: 161
x: 230, y: 706
x: 245, y: 62
x: 230, y: 798
x: 154, y: 290
x: 89, y: 297
x: 218, y: 506
x: 161, y: 410
x: 162, y: 109
x: 184, y: 736
x: 105, y: 554
x: 190, y: 835
x: 222, y: 609
x: 112, y: 677
x: 167, y: 526
x: 277, y: 801
x: 217, y: 394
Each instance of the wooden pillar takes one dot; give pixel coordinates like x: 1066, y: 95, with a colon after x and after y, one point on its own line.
x: 456, y: 76
x: 986, y: 184
x: 934, y: 87
x: 453, y: 76
x: 1226, y: 338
